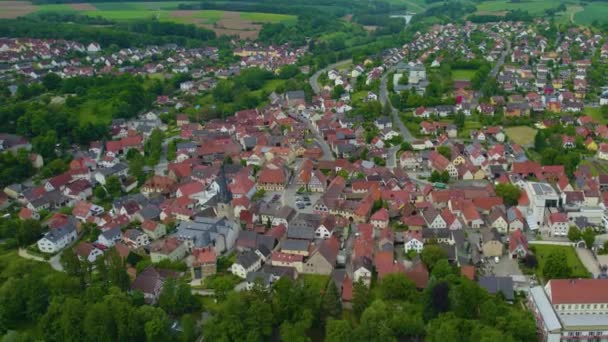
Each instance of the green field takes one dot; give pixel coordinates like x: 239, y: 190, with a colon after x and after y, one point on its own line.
x: 521, y: 135
x: 596, y: 113
x: 462, y: 74
x: 129, y: 14
x: 542, y: 251
x: 267, y: 17
x: 532, y: 6
x: 593, y: 11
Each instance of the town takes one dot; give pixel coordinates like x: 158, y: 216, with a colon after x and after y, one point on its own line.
x: 480, y: 148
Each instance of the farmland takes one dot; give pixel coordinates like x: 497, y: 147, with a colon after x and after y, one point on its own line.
x: 243, y: 24
x: 582, y: 14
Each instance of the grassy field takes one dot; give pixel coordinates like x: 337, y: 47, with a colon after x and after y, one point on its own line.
x: 542, y: 251
x: 462, y: 74
x: 267, y: 17
x: 521, y: 135
x: 593, y: 11
x: 596, y: 114
x: 532, y: 6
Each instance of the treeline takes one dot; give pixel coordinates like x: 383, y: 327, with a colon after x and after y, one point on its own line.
x: 449, y: 10
x: 394, y: 310
x: 122, y: 35
x: 82, y: 305
x: 514, y: 15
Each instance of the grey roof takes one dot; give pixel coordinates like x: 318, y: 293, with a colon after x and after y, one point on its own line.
x: 265, y: 278
x: 204, y: 230
x: 57, y: 234
x: 150, y: 212
x: 279, y: 272
x: 545, y: 308
x: 247, y: 258
x: 295, y: 95
x: 132, y: 234
x: 303, y: 233
x: 114, y: 169
x: 295, y: 245
x: 496, y: 284
x: 598, y: 322
x: 112, y: 234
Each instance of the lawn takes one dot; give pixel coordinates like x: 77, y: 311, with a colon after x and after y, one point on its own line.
x: 462, y: 74
x: 521, y: 135
x: 542, y: 251
x: 59, y: 8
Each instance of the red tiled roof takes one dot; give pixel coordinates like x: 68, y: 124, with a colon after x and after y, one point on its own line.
x: 578, y: 291
x: 272, y: 176
x: 468, y: 271
x: 380, y: 215
x: 419, y: 275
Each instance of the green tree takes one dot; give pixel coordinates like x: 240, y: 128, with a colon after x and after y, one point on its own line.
x: 338, y: 330
x: 51, y: 81
x: 113, y: 186
x: 431, y: 254
x: 588, y: 235
x: 374, y: 323
x: 361, y: 298
x: 574, y: 234
x: 445, y: 151
x: 397, y: 286
x: 28, y: 232
x: 509, y: 193
x: 556, y: 266
x: 332, y: 303
x: 189, y: 330
x: 337, y: 92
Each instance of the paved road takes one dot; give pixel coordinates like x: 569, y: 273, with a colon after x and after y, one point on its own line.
x: 501, y: 60
x: 391, y: 160
x: 327, y: 153
x: 405, y: 133
x: 314, y: 79
x: 163, y: 163
x: 54, y: 261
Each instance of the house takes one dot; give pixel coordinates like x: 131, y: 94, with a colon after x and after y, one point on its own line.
x: 498, y: 220
x: 150, y: 282
x: 203, y: 263
x: 153, y: 229
x: 323, y: 259
x: 433, y: 219
x: 602, y: 152
x: 58, y: 238
x: 109, y: 237
x: 326, y: 227
x: 412, y: 241
x: 491, y: 244
x: 135, y: 238
x: 87, y: 251
x: 167, y: 249
x: 558, y: 224
x: 220, y: 233
x: 362, y: 271
x: 518, y: 244
x: 495, y: 285
x: 380, y: 219
x: 247, y: 261
x: 272, y: 179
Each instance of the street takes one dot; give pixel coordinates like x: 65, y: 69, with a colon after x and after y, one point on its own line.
x: 405, y: 133
x: 314, y: 79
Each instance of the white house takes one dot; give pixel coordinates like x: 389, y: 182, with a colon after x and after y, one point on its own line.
x: 248, y: 261
x: 363, y: 272
x: 558, y: 223
x: 57, y: 239
x: 109, y: 237
x: 87, y: 251
x: 413, y: 244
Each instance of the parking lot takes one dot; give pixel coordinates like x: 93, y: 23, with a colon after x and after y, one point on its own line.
x: 302, y: 203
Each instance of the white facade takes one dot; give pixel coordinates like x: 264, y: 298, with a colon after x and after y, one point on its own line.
x: 413, y: 245
x: 541, y: 196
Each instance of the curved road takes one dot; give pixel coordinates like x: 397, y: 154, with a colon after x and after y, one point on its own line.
x: 314, y: 79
